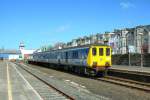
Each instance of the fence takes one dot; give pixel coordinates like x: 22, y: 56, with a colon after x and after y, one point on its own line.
x: 135, y: 59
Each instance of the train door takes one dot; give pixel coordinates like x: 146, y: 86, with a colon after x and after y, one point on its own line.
x: 66, y: 57
x: 59, y: 57
x: 101, y: 59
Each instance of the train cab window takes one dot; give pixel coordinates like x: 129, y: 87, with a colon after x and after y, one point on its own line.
x: 101, y: 51
x: 107, y: 51
x: 94, y: 51
x: 86, y: 53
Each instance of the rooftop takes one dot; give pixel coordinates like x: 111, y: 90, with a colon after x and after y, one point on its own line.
x: 10, y: 51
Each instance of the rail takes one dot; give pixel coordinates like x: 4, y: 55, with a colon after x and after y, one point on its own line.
x: 127, y: 83
x: 48, y: 84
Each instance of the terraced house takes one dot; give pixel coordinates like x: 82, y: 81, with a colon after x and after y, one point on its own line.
x: 123, y: 41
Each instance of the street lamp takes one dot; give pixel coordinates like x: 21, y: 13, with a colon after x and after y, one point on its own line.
x: 128, y: 50
x: 141, y: 49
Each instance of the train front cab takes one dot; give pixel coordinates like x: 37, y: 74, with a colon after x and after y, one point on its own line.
x: 99, y: 58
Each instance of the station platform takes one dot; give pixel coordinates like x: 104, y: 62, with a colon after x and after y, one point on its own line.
x: 131, y: 68
x: 13, y: 85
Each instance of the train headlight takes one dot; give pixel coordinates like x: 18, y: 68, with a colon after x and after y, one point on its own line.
x: 94, y: 63
x: 107, y: 64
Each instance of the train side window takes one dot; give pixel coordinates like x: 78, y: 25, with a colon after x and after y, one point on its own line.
x: 75, y: 54
x: 101, y: 51
x: 94, y: 51
x: 107, y: 51
x: 86, y: 53
x: 80, y: 53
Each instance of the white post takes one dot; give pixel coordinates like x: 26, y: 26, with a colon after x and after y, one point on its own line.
x: 148, y: 42
x: 141, y: 49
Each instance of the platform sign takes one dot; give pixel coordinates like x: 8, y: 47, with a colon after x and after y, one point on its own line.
x: 131, y: 49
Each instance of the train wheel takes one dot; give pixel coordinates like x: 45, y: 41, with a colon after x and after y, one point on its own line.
x: 93, y: 73
x: 90, y: 72
x: 86, y: 72
x: 105, y: 73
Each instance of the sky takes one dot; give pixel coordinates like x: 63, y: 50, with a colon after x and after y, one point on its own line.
x: 45, y: 22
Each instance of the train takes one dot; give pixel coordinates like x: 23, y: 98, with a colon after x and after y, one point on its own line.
x: 87, y: 59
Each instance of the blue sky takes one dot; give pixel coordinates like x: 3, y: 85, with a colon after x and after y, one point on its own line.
x: 43, y: 22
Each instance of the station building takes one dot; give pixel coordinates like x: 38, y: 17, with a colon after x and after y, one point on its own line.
x: 10, y: 54
x: 20, y: 54
x: 25, y: 53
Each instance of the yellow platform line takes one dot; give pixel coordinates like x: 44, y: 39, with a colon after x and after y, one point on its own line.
x: 9, y: 85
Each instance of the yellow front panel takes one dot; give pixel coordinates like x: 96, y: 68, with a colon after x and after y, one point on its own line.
x: 89, y: 58
x: 100, y: 61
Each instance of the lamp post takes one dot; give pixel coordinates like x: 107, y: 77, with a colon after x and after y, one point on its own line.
x: 141, y: 49
x: 128, y: 50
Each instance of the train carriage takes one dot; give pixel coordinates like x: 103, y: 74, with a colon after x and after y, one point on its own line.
x: 88, y: 59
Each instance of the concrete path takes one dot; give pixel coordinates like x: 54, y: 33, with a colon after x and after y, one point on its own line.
x: 132, y: 68
x: 13, y: 85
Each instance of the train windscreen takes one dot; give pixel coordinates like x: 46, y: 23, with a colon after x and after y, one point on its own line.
x: 107, y: 51
x: 100, y: 51
x: 94, y: 51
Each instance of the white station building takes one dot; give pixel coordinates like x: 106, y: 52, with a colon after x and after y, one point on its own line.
x: 25, y: 53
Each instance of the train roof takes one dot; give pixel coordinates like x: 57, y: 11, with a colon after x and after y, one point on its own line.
x: 76, y: 47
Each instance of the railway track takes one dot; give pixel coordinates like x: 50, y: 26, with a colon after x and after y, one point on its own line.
x: 127, y: 83
x: 111, y: 79
x: 49, y: 85
x: 131, y: 75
